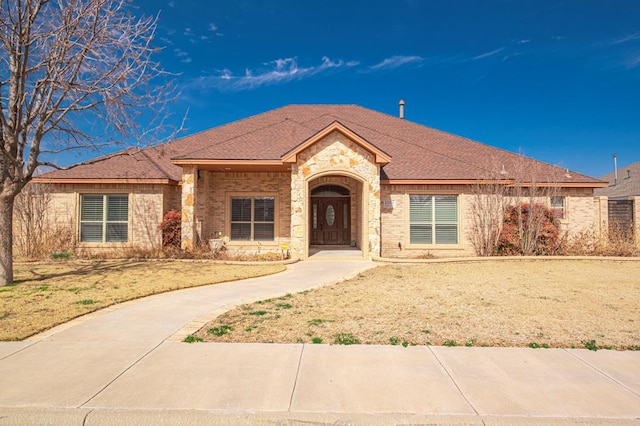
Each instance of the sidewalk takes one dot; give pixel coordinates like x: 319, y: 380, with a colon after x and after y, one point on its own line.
x: 127, y: 365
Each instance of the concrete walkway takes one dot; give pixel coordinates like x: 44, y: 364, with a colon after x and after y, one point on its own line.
x: 127, y: 365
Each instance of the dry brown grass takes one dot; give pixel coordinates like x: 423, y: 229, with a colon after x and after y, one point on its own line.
x: 47, y: 294
x: 559, y: 303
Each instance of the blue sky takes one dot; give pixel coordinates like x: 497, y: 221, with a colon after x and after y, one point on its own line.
x: 555, y: 80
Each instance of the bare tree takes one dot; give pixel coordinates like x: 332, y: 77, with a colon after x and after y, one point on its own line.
x: 531, y: 199
x: 30, y: 220
x: 487, y: 209
x: 508, y: 196
x: 73, y: 74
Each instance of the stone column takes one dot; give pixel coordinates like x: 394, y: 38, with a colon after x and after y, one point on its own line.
x: 298, y: 203
x: 374, y: 213
x: 189, y: 181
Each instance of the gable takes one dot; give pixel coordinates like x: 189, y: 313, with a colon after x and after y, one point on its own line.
x: 380, y: 156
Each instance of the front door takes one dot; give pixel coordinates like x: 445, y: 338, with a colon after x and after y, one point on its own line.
x: 330, y: 220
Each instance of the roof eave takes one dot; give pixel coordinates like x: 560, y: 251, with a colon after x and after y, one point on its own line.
x: 489, y: 182
x: 234, y: 165
x: 107, y: 181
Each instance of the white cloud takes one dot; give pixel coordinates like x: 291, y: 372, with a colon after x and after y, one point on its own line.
x: 180, y: 52
x: 172, y: 4
x: 633, y: 60
x: 212, y: 27
x: 488, y: 54
x: 628, y: 37
x: 278, y: 71
x: 396, y: 62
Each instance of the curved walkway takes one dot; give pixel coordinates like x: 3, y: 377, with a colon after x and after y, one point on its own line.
x: 127, y: 365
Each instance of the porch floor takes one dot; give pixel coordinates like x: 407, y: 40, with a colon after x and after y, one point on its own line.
x: 334, y: 251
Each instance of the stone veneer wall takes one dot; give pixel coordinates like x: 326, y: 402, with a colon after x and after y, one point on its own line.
x: 335, y: 154
x: 146, y: 209
x: 189, y: 185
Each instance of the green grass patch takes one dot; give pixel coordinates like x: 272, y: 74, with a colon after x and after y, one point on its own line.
x: 220, y: 331
x: 346, y: 339
x: 192, y: 339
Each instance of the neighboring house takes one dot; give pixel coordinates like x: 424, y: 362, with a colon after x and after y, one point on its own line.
x: 623, y: 193
x: 623, y: 183
x: 305, y: 175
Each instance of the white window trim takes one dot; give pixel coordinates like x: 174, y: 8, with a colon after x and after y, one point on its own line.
x: 407, y: 221
x: 228, y: 221
x: 565, y: 205
x: 104, y: 243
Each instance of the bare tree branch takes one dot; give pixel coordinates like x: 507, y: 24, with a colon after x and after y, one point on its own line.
x: 73, y: 74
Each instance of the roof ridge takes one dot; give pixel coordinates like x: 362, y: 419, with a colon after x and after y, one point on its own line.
x: 155, y: 163
x: 237, y: 135
x: 95, y: 160
x: 412, y: 123
x: 422, y: 147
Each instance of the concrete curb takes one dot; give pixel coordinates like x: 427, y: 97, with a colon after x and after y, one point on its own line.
x: 115, y: 417
x: 504, y: 259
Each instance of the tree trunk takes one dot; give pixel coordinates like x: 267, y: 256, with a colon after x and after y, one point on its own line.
x: 6, y: 240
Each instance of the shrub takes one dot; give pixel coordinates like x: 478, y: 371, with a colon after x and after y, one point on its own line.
x: 171, y: 227
x: 615, y: 242
x: 528, y: 230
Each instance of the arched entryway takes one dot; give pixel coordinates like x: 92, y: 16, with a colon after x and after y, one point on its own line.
x: 330, y: 215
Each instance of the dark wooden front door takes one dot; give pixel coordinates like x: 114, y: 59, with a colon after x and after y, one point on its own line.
x: 330, y: 220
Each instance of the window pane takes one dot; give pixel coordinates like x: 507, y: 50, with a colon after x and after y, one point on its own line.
x: 241, y: 209
x: 91, y: 206
x: 557, y: 205
x: 420, y: 208
x: 241, y: 231
x: 446, y: 234
x: 263, y: 232
x: 91, y: 232
x: 420, y: 234
x: 264, y: 207
x: 446, y: 208
x: 117, y: 232
x: 117, y: 208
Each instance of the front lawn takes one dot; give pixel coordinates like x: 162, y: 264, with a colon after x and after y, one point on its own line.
x: 48, y: 294
x: 536, y: 303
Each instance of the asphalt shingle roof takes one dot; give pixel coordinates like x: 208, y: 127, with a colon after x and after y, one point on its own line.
x: 417, y: 152
x: 628, y: 182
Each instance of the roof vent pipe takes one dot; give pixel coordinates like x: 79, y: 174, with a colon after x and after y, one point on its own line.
x: 401, y: 104
x: 615, y: 169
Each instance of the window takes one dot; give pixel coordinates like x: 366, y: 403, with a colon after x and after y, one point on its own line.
x: 252, y: 218
x: 558, y: 205
x: 104, y: 218
x: 433, y: 219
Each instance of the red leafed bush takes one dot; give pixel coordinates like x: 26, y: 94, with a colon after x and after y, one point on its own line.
x: 529, y: 230
x: 171, y: 227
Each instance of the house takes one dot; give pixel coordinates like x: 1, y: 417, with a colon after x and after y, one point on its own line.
x: 622, y: 183
x: 623, y: 193
x: 305, y: 175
